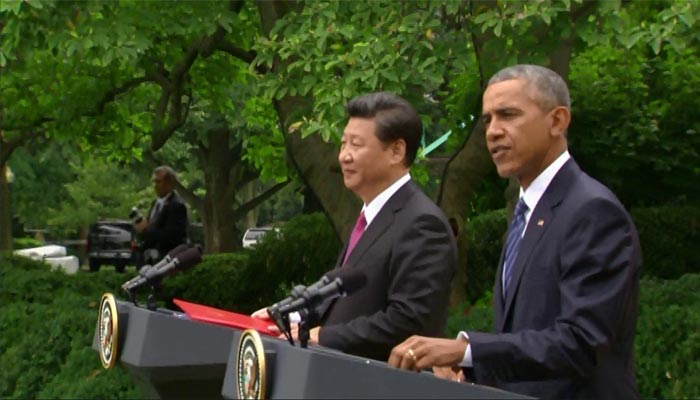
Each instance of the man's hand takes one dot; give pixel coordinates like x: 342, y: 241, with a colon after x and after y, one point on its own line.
x: 313, y: 334
x: 141, y: 226
x: 262, y: 314
x: 420, y: 352
x: 449, y: 373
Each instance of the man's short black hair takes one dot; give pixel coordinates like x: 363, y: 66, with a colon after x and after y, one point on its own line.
x: 394, y: 117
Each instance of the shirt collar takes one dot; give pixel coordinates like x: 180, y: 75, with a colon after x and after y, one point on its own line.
x: 534, y: 192
x: 372, y: 209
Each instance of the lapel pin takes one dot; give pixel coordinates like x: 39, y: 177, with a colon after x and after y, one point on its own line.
x: 540, y: 222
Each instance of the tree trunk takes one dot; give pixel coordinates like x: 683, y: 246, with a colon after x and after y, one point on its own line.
x: 5, y: 214
x: 218, y: 160
x: 219, y: 226
x: 461, y: 176
x: 315, y: 160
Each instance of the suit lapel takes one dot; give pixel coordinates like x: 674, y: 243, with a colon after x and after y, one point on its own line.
x: 381, y: 222
x: 541, y: 218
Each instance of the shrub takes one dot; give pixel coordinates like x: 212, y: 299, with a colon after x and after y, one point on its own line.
x: 217, y: 281
x: 485, y: 235
x: 669, y: 238
x: 667, y: 345
x: 47, y: 320
x: 26, y: 243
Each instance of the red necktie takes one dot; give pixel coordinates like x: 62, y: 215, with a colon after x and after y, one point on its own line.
x: 357, y: 232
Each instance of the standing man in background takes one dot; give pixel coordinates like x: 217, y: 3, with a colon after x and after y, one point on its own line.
x: 166, y: 225
x: 401, y: 241
x: 565, y: 298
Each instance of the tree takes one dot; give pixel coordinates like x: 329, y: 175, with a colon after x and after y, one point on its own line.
x: 121, y: 75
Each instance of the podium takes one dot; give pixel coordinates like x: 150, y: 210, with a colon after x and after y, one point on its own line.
x: 321, y: 373
x: 171, y: 356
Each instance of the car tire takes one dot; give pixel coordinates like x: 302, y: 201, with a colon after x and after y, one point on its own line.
x: 94, y: 265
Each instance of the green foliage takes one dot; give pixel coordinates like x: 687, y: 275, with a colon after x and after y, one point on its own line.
x: 476, y: 316
x: 39, y: 178
x: 667, y: 344
x: 101, y: 190
x: 485, y: 235
x: 218, y: 281
x: 305, y: 248
x: 47, y: 319
x: 25, y: 243
x: 669, y: 236
x: 634, y: 124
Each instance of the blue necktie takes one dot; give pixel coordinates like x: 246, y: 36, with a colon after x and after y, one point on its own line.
x: 515, y: 233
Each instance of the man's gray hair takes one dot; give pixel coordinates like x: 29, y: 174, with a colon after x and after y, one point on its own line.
x: 167, y: 172
x: 551, y: 88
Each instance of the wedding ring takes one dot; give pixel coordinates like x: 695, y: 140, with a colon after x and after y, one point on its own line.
x: 412, y: 354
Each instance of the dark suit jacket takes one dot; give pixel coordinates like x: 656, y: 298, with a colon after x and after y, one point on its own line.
x: 409, y: 255
x: 566, y: 328
x: 169, y: 228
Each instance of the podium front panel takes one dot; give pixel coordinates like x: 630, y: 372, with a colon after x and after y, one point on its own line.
x: 323, y: 373
x: 172, y: 356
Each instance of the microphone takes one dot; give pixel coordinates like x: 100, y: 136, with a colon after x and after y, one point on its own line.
x: 345, y: 282
x: 298, y: 290
x: 150, y: 269
x: 180, y: 261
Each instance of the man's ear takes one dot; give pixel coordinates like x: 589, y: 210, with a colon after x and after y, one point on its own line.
x: 561, y: 116
x: 398, y: 150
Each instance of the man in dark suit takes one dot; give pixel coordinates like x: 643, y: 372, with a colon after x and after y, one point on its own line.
x: 565, y: 297
x: 402, y: 241
x: 167, y: 223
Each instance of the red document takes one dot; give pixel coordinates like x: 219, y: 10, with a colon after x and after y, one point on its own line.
x: 217, y: 316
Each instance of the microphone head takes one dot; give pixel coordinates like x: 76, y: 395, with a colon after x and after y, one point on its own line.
x: 179, y: 249
x: 351, y: 279
x: 189, y: 258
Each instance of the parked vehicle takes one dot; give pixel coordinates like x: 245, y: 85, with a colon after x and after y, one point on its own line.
x: 253, y: 235
x: 112, y: 243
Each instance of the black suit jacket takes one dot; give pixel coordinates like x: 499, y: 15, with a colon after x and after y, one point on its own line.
x: 169, y: 228
x: 566, y: 327
x: 409, y: 255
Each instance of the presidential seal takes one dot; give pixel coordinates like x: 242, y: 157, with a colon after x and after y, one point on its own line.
x: 108, y: 328
x: 250, y: 366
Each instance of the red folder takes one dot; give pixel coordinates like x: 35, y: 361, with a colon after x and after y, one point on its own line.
x: 199, y: 312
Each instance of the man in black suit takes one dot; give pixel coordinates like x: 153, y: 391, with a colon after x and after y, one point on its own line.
x: 402, y: 241
x: 565, y: 297
x: 166, y: 225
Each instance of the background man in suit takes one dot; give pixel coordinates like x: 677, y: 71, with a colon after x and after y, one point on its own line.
x: 565, y: 297
x: 402, y: 240
x: 166, y: 224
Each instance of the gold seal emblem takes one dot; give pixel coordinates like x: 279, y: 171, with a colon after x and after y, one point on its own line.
x: 250, y: 366
x: 108, y: 328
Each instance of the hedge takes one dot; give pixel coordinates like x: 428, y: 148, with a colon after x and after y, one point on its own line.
x: 47, y: 321
x: 668, y: 237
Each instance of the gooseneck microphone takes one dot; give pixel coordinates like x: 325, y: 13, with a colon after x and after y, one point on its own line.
x: 337, y: 283
x: 344, y: 283
x: 178, y: 259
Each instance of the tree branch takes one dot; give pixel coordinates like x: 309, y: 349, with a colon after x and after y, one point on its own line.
x: 245, y: 208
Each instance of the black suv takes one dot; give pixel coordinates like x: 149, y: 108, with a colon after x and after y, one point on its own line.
x: 112, y: 243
